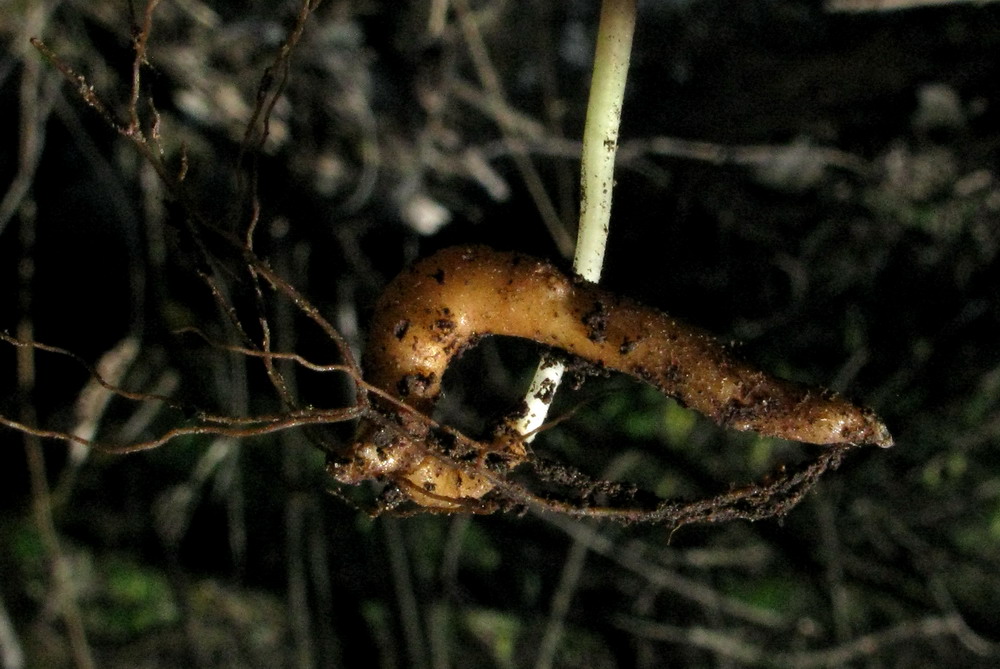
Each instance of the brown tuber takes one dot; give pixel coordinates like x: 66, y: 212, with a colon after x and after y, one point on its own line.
x: 443, y: 304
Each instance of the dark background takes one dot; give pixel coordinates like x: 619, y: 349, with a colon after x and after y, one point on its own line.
x: 841, y: 221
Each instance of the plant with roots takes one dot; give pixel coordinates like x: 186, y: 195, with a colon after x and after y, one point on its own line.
x: 437, y: 309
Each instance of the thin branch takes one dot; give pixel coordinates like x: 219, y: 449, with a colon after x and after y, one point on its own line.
x: 197, y: 224
x: 139, y: 43
x: 406, y: 597
x: 632, y: 151
x: 268, y: 95
x: 635, y: 561
x: 569, y: 579
x: 37, y: 97
x: 859, y: 6
x: 11, y: 651
x: 41, y: 494
x: 272, y: 355
x: 208, y: 423
x: 495, y: 93
x: 95, y: 375
x: 736, y: 648
x: 228, y: 427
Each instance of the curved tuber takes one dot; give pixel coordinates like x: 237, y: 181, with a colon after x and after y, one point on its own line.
x: 443, y: 304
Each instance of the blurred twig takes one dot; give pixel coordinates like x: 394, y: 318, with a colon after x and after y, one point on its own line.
x: 871, y: 645
x: 37, y: 97
x: 406, y: 596
x: 41, y: 497
x: 857, y: 6
x: 795, y: 155
x: 633, y: 560
x: 572, y: 571
x: 11, y: 651
x: 494, y: 90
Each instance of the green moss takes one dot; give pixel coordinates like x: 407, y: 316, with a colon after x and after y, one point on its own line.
x: 774, y: 593
x: 944, y: 469
x: 26, y: 545
x: 499, y: 631
x: 129, y: 600
x: 479, y: 550
x: 678, y: 423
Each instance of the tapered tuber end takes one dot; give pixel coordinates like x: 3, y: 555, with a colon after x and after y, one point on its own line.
x: 857, y: 425
x: 866, y: 429
x: 881, y: 436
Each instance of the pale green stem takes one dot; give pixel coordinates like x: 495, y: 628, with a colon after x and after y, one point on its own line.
x: 600, y: 134
x: 600, y: 143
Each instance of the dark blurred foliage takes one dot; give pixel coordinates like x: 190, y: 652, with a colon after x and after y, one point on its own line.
x: 839, y: 219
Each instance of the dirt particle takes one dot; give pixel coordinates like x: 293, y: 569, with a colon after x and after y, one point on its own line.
x: 596, y: 322
x: 445, y: 325
x: 546, y: 392
x: 400, y: 329
x: 414, y: 384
